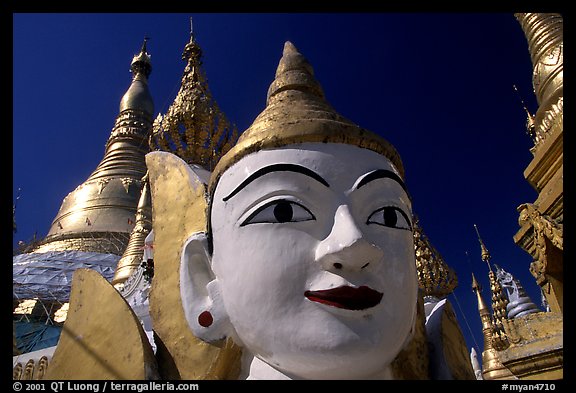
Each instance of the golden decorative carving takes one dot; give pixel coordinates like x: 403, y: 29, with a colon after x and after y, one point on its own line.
x: 29, y: 370
x: 101, y: 184
x: 546, y: 231
x: 17, y: 371
x: 93, y: 345
x: 543, y: 225
x: 41, y: 368
x: 126, y: 182
x: 435, y: 277
x: 499, y: 302
x: 179, y: 209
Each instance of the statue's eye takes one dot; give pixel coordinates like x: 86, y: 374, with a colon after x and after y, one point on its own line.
x: 390, y: 216
x: 279, y: 211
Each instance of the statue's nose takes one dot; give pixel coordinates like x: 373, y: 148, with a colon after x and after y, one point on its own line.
x: 345, y: 248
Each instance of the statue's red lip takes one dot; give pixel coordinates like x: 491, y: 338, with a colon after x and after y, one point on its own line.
x: 346, y: 297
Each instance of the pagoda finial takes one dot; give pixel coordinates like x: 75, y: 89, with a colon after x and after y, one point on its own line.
x: 530, y: 122
x: 192, y: 52
x: 141, y: 64
x: 143, y: 50
x: 485, y: 254
x: 476, y: 287
x: 138, y: 96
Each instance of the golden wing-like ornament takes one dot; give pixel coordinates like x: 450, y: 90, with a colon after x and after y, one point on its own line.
x: 102, y: 338
x: 180, y: 209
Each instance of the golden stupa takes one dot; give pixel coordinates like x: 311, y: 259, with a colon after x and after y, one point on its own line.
x: 98, y: 216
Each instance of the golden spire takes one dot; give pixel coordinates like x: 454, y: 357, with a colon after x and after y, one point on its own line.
x: 297, y: 112
x: 96, y: 215
x: 485, y: 254
x: 435, y: 277
x: 484, y: 312
x: 132, y: 257
x: 194, y: 128
x: 499, y: 301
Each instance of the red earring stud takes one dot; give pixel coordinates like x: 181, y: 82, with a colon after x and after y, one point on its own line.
x: 205, y: 319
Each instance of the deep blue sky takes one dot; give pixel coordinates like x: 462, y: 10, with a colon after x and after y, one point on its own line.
x: 437, y: 86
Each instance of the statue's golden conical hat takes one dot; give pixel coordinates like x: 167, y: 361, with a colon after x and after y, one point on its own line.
x: 297, y: 112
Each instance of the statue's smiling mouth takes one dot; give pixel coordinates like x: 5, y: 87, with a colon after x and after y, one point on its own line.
x: 346, y: 297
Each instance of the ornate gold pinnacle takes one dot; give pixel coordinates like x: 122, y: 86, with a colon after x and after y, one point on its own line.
x: 194, y: 128
x: 435, y: 277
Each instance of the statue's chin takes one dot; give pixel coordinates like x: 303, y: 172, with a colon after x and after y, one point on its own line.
x: 344, y: 365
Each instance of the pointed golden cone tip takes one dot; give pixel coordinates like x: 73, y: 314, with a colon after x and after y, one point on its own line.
x: 475, y: 285
x: 297, y: 112
x: 141, y: 61
x: 477, y: 288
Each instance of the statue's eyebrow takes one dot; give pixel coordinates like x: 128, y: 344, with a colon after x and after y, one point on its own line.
x: 277, y: 168
x: 379, y: 174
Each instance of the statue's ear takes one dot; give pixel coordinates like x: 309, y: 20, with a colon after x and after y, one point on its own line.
x: 200, y: 291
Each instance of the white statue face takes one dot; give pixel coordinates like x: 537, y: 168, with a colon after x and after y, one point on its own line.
x: 314, y: 255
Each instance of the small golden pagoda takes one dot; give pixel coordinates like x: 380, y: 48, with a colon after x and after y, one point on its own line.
x: 492, y: 368
x: 132, y: 256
